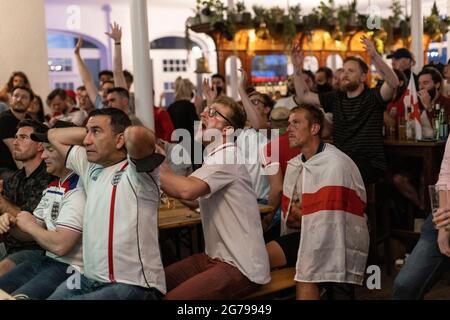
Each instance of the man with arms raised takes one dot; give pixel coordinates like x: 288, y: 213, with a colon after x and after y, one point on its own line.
x: 120, y: 229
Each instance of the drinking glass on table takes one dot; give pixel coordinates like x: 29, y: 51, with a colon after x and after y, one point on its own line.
x: 438, y: 199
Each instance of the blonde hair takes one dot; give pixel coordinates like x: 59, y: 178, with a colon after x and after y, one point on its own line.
x: 184, y: 89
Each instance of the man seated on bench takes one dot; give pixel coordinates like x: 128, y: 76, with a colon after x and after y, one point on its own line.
x: 56, y: 225
x: 334, y: 239
x: 235, y: 261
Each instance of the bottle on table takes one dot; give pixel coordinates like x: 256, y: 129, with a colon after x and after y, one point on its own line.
x: 436, y: 120
x: 410, y: 126
x: 443, y: 125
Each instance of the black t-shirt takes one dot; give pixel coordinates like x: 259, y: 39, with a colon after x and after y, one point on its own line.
x: 357, y: 125
x: 183, y: 115
x: 8, y: 129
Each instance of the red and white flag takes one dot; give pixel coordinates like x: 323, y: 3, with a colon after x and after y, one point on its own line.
x: 410, y: 99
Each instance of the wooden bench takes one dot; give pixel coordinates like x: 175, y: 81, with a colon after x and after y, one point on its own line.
x: 282, y: 279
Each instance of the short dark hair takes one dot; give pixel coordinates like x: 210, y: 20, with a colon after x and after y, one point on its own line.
x: 17, y: 74
x: 328, y: 72
x: 436, y: 65
x: 56, y: 93
x: 120, y: 91
x: 238, y: 117
x: 82, y: 88
x: 106, y: 73
x: 435, y: 74
x: 37, y: 126
x: 119, y: 119
x: 218, y: 75
x: 40, y: 113
x: 314, y: 114
x: 361, y: 63
x: 128, y: 76
x: 30, y: 92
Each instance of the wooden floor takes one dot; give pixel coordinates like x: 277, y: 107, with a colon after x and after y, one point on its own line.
x: 441, y: 290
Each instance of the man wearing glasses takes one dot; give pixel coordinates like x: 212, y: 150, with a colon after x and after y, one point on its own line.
x: 235, y: 261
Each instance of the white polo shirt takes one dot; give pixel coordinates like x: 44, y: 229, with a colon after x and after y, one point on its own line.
x: 120, y: 232
x: 62, y: 205
x: 249, y: 142
x: 230, y: 215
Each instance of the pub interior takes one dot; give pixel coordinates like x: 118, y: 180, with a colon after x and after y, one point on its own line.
x: 261, y: 151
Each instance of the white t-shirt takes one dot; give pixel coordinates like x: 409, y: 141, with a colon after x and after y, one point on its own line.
x: 62, y: 205
x: 249, y: 142
x: 120, y: 232
x: 230, y: 215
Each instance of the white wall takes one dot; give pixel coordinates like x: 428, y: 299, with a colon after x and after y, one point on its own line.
x: 163, y: 21
x: 24, y: 44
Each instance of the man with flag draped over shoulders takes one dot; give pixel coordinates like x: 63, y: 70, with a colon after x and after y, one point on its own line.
x: 334, y: 239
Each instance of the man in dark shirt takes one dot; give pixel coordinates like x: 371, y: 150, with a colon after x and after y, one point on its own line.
x: 23, y: 190
x: 357, y: 110
x: 20, y: 101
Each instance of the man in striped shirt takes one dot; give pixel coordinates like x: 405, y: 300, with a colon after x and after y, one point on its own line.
x: 357, y: 110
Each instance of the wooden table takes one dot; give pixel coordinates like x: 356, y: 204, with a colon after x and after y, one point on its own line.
x: 431, y: 154
x: 178, y: 218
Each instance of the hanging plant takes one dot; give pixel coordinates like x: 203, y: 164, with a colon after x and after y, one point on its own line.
x: 435, y: 26
x: 397, y: 13
x: 294, y: 14
x: 326, y: 14
x: 289, y: 31
x: 274, y: 20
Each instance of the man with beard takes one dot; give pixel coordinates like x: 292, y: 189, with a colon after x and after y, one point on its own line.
x: 324, y: 78
x: 430, y: 92
x: 23, y: 190
x: 357, y: 110
x: 288, y: 101
x: 403, y: 60
x: 20, y: 101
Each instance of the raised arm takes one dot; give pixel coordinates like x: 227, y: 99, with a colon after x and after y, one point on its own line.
x: 85, y: 75
x: 256, y: 120
x: 116, y: 35
x: 63, y: 138
x: 302, y: 92
x: 390, y: 78
x: 209, y: 93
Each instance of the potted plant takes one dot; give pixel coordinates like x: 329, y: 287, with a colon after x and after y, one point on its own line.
x: 326, y: 15
x: 294, y: 14
x: 289, y: 32
x: 347, y: 16
x: 239, y: 11
x: 260, y: 14
x: 397, y: 11
x: 431, y: 23
x: 205, y: 10
x: 275, y: 19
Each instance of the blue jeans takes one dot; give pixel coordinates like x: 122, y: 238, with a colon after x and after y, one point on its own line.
x: 37, y: 277
x: 23, y: 255
x: 94, y: 290
x: 423, y: 268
